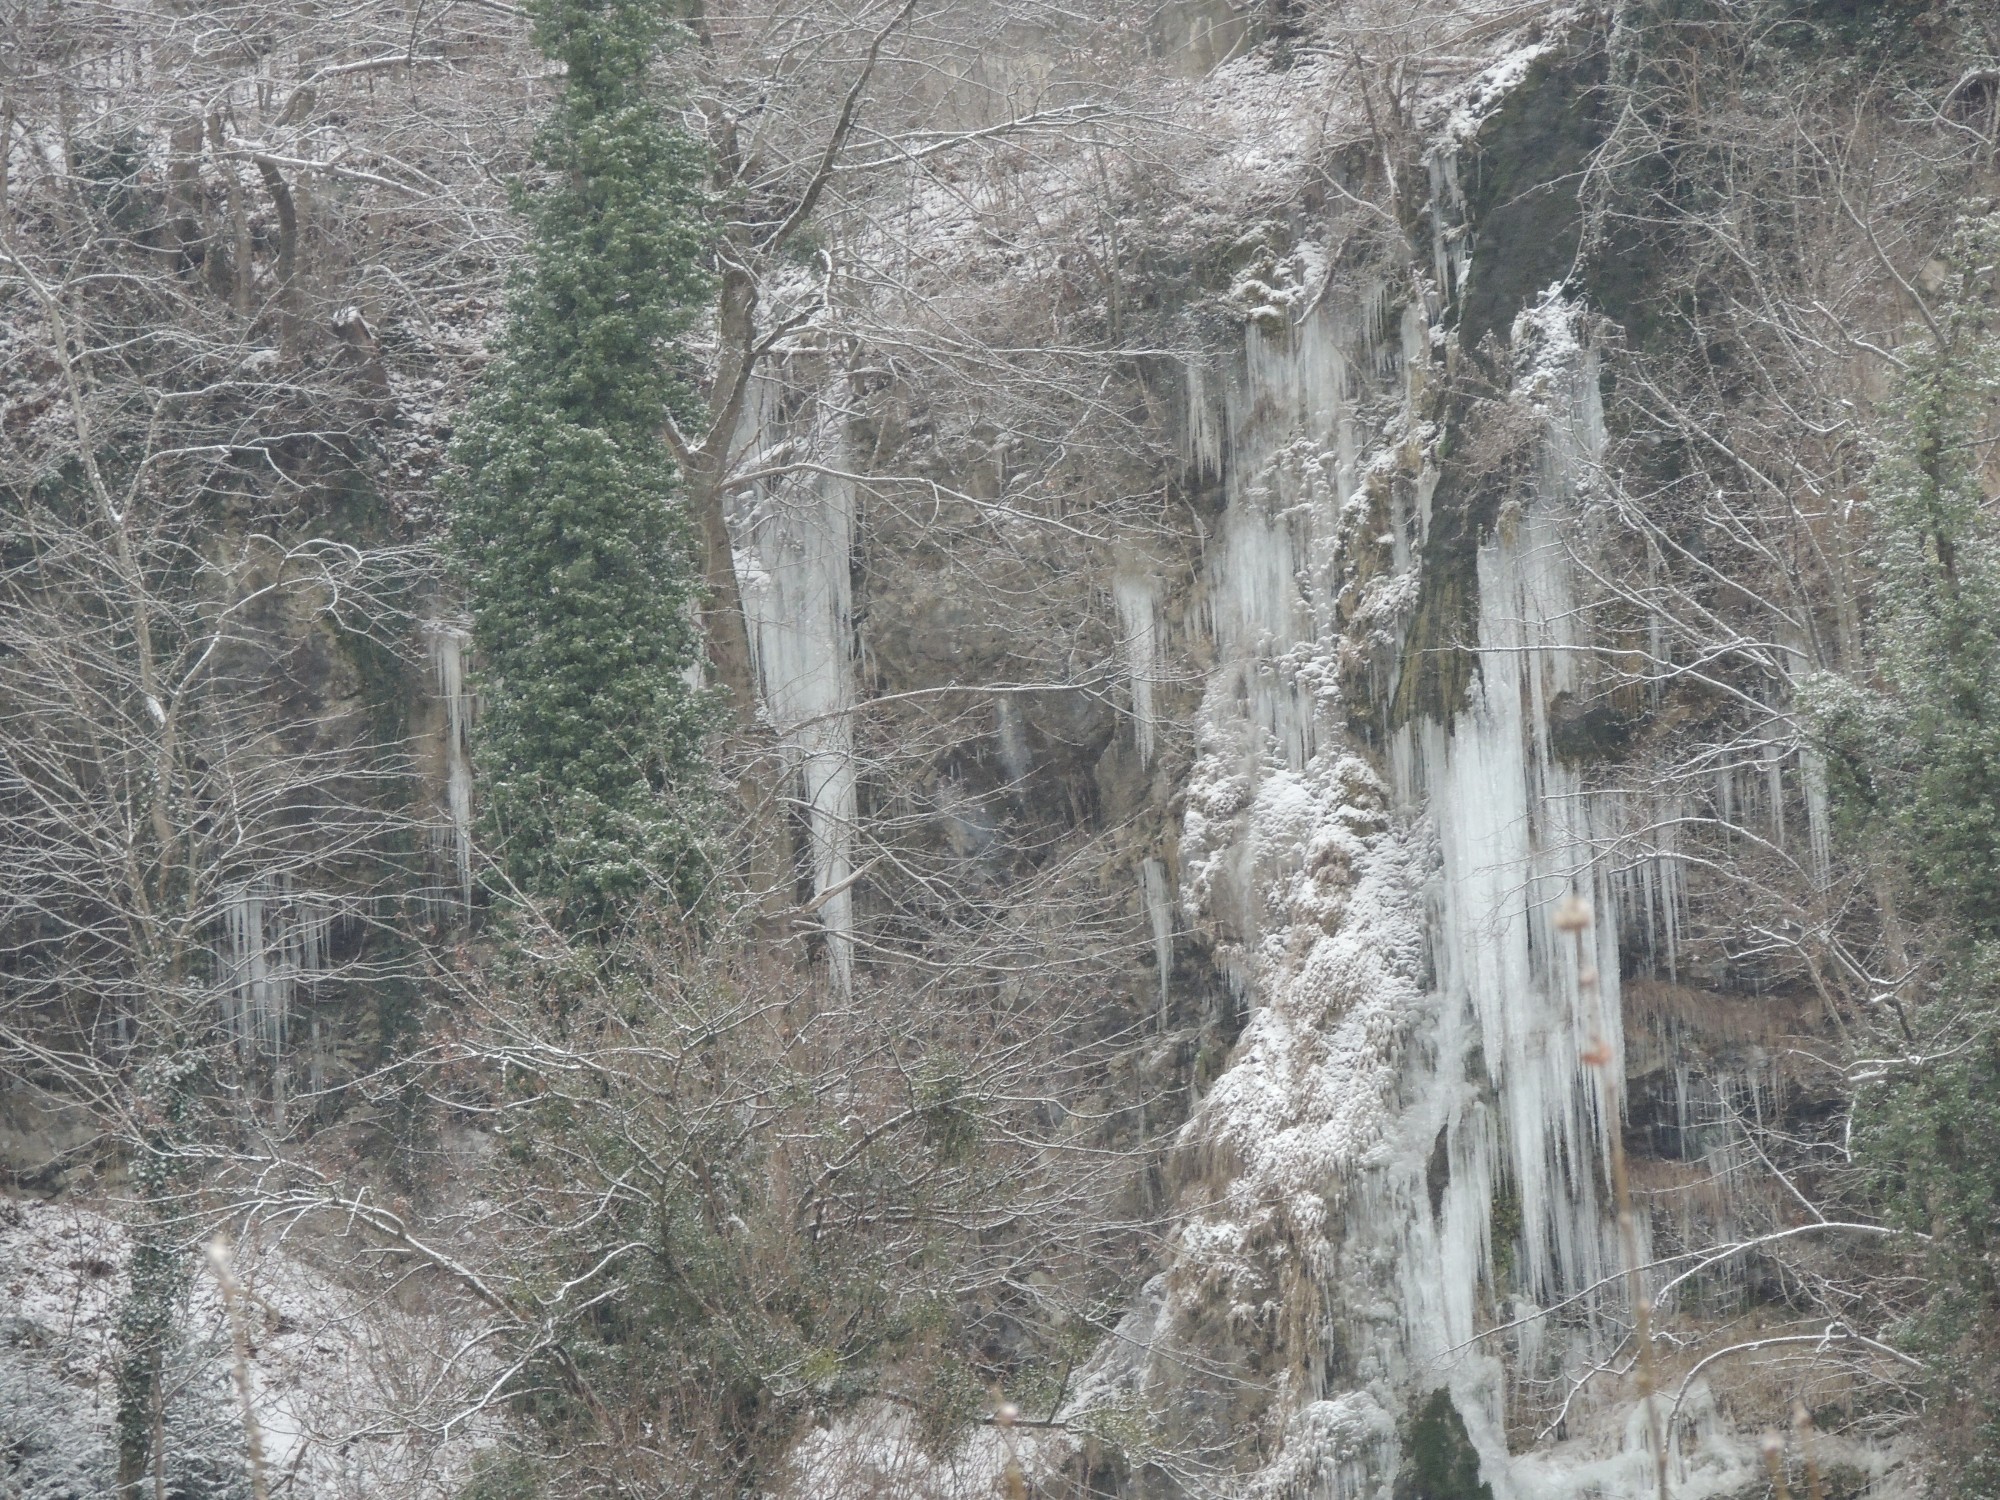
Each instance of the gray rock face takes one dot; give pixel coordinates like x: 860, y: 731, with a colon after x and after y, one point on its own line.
x: 39, y: 1138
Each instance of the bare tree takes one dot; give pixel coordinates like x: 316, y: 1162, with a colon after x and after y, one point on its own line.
x: 216, y: 233
x: 1724, y: 545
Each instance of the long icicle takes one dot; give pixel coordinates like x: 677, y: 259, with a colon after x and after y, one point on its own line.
x: 1574, y: 916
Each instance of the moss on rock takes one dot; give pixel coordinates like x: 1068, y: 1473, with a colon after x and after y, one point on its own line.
x: 1439, y: 1461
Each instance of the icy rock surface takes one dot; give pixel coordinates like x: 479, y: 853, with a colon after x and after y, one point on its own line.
x: 1418, y: 1035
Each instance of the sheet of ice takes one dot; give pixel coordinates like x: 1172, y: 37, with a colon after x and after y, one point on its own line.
x: 274, y: 945
x: 1418, y: 1030
x: 1136, y: 596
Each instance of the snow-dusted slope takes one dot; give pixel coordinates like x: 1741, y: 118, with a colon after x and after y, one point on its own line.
x: 349, y: 1388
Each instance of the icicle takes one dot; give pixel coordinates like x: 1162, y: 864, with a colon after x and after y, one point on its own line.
x: 798, y: 535
x: 1266, y: 852
x: 448, y: 644
x: 1138, y: 601
x: 1158, y: 898
x: 273, y: 945
x: 1672, y: 884
x: 1291, y: 451
x: 1819, y: 828
x: 1513, y: 827
x: 1772, y: 753
x: 1203, y: 440
x: 1517, y: 831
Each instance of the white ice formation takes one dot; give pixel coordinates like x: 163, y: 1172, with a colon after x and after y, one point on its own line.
x: 794, y: 536
x: 453, y: 840
x: 274, y: 945
x: 1413, y: 1095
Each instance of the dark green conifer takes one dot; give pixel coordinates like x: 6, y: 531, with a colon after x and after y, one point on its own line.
x: 567, y: 529
x: 1914, y: 768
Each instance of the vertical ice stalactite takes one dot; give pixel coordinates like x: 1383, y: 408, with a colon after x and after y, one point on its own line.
x: 1137, y: 598
x: 1203, y: 439
x: 1517, y: 829
x: 1516, y: 833
x: 1650, y: 890
x: 1391, y: 1108
x: 1771, y: 755
x: 1156, y: 894
x: 1292, y: 868
x: 1290, y: 466
x: 448, y: 646
x: 245, y: 983
x: 1491, y: 1092
x: 1819, y: 827
x: 274, y: 944
x: 799, y: 530
x: 1670, y: 881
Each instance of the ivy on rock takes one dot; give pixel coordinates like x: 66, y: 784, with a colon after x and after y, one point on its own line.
x: 1913, y: 762
x: 567, y: 527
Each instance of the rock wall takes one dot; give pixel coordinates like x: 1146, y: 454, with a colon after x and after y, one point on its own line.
x: 1394, y: 1254
x: 1174, y: 571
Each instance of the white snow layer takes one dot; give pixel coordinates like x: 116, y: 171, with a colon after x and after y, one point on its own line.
x: 352, y: 1394
x: 877, y: 1453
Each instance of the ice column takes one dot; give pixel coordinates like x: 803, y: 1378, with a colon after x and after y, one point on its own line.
x: 448, y: 645
x: 1158, y: 896
x: 273, y: 943
x: 1138, y: 600
x: 1289, y: 458
x: 798, y: 533
x: 1516, y: 832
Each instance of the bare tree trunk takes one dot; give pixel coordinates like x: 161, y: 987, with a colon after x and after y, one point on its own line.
x: 288, y: 254
x: 239, y: 220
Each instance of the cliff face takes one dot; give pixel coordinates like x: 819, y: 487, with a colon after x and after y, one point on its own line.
x: 1392, y: 755
x: 1402, y: 1164
x: 1398, y: 1184
x: 1231, y: 558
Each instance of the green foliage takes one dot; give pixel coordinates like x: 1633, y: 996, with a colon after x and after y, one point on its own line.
x: 502, y: 1476
x: 1439, y: 1461
x: 1914, y: 764
x: 1871, y: 36
x: 951, y: 1120
x: 576, y: 555
x: 1914, y: 774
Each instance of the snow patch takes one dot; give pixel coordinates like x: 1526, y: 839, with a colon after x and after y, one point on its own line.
x: 348, y: 1389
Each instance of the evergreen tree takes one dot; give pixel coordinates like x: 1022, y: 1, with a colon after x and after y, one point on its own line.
x: 575, y: 554
x: 1915, y: 768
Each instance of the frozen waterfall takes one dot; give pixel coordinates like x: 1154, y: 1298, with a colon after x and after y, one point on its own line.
x: 794, y: 537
